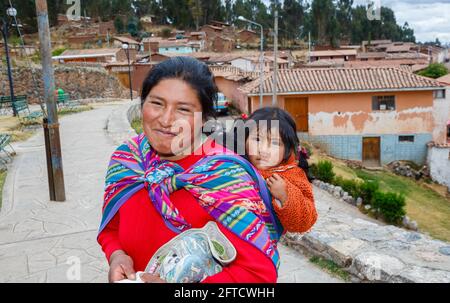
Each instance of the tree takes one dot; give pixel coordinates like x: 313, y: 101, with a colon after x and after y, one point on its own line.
x: 119, y: 25
x: 434, y: 70
x: 292, y: 18
x: 196, y: 10
x: 325, y: 23
x: 344, y: 17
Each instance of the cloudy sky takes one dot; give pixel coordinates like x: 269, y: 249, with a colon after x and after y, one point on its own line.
x: 429, y: 19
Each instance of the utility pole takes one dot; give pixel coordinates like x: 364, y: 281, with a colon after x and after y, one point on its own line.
x: 309, y: 47
x: 275, y: 57
x: 51, y: 124
x: 8, y: 64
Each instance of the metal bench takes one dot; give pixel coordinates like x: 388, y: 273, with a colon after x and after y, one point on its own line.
x: 5, y: 142
x: 63, y: 100
x: 23, y: 111
x: 6, y: 104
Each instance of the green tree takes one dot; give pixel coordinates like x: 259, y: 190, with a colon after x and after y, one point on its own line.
x: 119, y: 25
x: 197, y: 12
x: 434, y: 70
x: 325, y: 23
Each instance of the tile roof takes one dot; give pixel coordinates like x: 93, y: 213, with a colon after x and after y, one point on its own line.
x: 126, y: 40
x: 322, y: 80
x: 337, y: 52
x: 101, y: 52
x: 233, y: 73
x: 444, y: 79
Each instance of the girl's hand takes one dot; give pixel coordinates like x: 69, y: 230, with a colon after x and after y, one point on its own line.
x: 120, y: 267
x: 277, y: 187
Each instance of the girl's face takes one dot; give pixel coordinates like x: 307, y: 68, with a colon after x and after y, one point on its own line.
x: 168, y: 117
x: 265, y: 149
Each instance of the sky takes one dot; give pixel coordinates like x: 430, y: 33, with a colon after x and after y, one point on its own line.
x: 430, y: 19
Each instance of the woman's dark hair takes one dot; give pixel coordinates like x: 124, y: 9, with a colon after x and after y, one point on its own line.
x: 286, y: 127
x: 190, y: 70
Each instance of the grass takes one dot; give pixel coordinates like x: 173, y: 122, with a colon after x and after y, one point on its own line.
x: 427, y: 204
x: 2, y: 181
x: 331, y: 267
x: 136, y: 124
x: 429, y: 208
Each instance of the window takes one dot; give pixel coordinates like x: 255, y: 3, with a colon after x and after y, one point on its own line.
x: 439, y: 94
x: 383, y: 103
x: 406, y: 139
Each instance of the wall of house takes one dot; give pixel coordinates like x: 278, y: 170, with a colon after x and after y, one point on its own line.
x: 439, y: 164
x: 230, y: 90
x: 441, y: 115
x: 176, y: 49
x: 338, y: 123
x: 245, y: 65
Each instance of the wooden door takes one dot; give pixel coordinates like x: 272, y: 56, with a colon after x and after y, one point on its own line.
x: 371, y: 150
x: 298, y: 108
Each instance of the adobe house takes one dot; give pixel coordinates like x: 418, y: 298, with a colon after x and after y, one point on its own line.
x: 248, y: 36
x: 346, y: 54
x: 373, y: 115
x: 101, y: 55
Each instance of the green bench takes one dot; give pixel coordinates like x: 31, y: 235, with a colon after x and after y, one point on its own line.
x: 23, y: 111
x: 6, y: 104
x: 5, y: 142
x: 63, y: 100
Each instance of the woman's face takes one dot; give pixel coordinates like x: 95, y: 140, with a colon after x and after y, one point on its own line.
x: 265, y: 149
x: 168, y: 117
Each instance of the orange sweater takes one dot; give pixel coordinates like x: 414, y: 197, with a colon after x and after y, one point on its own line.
x: 298, y: 213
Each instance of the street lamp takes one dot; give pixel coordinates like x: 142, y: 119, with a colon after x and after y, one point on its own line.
x: 12, y: 12
x: 126, y: 47
x: 261, y: 59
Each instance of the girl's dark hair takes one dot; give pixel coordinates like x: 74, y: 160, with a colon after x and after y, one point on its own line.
x: 286, y: 125
x: 190, y: 70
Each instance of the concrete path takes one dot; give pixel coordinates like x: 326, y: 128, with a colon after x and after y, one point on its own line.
x: 43, y: 241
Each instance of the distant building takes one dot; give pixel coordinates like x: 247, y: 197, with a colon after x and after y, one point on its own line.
x: 373, y: 115
x: 252, y: 64
x: 248, y: 36
x: 104, y: 55
x: 118, y: 41
x: 346, y: 54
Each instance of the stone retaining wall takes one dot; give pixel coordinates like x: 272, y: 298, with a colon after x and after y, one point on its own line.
x: 79, y: 82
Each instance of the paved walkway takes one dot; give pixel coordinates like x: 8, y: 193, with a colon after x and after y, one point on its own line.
x: 43, y: 241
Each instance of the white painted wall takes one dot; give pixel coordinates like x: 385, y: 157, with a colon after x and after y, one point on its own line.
x: 439, y: 164
x: 244, y: 64
x: 441, y: 115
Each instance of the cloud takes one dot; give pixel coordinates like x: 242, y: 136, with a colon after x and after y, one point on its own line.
x: 429, y: 19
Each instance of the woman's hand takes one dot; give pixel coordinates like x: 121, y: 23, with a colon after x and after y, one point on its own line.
x: 120, y: 267
x: 277, y: 187
x: 149, y: 278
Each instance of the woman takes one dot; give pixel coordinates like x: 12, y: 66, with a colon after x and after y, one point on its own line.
x: 168, y: 180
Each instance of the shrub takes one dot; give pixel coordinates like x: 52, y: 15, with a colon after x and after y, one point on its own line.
x: 323, y: 171
x: 350, y: 186
x: 390, y: 205
x: 434, y: 70
x: 367, y: 189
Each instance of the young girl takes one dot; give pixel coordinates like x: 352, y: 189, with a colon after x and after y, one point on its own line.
x: 271, y: 148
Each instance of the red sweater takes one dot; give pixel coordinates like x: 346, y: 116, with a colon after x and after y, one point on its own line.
x: 139, y: 230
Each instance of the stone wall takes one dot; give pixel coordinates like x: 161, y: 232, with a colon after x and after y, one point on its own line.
x: 79, y: 82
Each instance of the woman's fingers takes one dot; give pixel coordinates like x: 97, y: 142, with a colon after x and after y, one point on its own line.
x: 128, y: 271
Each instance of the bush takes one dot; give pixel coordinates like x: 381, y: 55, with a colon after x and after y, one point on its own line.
x: 434, y: 70
x: 350, y: 186
x: 58, y: 51
x: 323, y: 171
x: 367, y: 190
x: 390, y: 205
